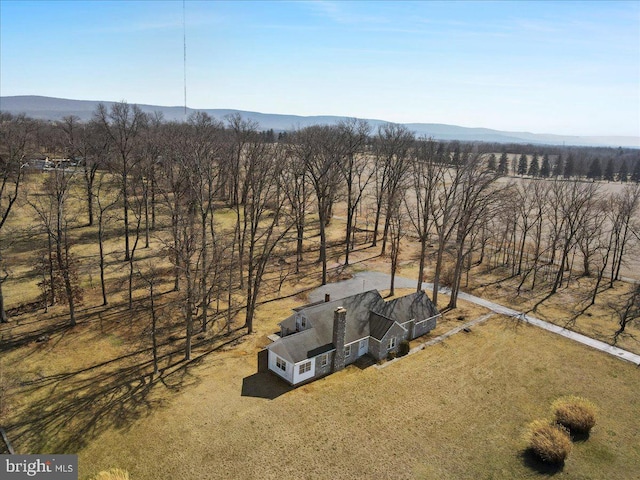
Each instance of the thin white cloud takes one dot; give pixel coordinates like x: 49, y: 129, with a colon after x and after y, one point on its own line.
x: 338, y: 13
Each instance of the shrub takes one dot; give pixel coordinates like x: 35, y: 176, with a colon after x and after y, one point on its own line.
x: 550, y: 442
x: 404, y: 348
x: 577, y: 414
x: 391, y: 355
x: 112, y: 474
x: 446, y: 275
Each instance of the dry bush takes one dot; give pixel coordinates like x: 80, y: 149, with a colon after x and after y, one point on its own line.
x: 577, y: 414
x: 446, y: 276
x: 112, y: 474
x: 551, y: 442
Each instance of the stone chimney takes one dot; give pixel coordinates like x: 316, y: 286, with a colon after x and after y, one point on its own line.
x: 327, y: 297
x: 339, y: 331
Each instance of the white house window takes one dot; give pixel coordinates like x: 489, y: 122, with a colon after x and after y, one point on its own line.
x: 324, y: 359
x: 305, y: 367
x: 347, y: 351
x: 281, y: 364
x: 303, y: 322
x: 392, y: 343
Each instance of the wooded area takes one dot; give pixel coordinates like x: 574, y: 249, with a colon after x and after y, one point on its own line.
x: 219, y: 208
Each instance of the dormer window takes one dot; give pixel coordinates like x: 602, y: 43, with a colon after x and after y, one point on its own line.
x: 301, y: 322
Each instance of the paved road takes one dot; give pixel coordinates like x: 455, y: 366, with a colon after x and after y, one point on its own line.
x: 370, y: 280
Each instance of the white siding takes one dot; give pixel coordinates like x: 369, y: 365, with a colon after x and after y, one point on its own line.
x: 286, y: 374
x: 301, y: 377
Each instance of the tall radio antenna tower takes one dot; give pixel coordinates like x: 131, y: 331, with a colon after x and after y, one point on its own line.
x: 184, y: 44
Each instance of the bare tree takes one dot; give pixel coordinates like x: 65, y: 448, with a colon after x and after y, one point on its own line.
x: 122, y: 124
x: 523, y: 207
x: 173, y: 186
x: 627, y: 206
x: 427, y: 172
x: 51, y: 208
x: 396, y: 234
x: 151, y: 279
x: 355, y: 170
x: 262, y: 210
x: 139, y: 191
x: 297, y: 193
x: 445, y: 217
x: 200, y: 170
x: 475, y: 204
x: 576, y: 201
x: 189, y: 185
x: 16, y: 136
x: 187, y: 259
x: 392, y: 146
x: 629, y: 311
x: 245, y: 142
x: 105, y: 202
x: 319, y: 149
x: 88, y: 146
x: 599, y: 240
x: 183, y: 248
x: 537, y: 201
x: 150, y: 157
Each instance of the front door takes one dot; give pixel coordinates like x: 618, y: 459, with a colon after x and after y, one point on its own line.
x: 362, y: 349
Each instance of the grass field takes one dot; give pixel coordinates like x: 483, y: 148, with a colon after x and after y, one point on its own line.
x: 456, y: 410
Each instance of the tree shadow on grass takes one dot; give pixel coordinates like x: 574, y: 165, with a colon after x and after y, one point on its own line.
x: 70, y: 409
x: 532, y: 461
x: 546, y: 297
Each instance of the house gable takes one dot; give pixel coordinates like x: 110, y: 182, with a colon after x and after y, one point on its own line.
x: 416, y: 306
x: 381, y: 347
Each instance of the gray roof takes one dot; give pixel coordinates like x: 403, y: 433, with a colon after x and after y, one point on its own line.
x: 301, y: 345
x: 379, y: 325
x: 367, y: 315
x: 414, y: 306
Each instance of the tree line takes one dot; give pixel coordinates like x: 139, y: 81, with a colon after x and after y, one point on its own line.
x: 565, y: 166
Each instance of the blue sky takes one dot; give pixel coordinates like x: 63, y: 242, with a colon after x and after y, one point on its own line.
x: 545, y: 67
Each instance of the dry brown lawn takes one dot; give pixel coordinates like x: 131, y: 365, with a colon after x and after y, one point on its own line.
x: 456, y: 410
x: 568, y: 308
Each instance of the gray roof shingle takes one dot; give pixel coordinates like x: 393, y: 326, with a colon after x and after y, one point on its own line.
x: 379, y: 325
x: 416, y: 306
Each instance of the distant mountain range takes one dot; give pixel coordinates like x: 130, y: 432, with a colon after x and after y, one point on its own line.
x: 49, y: 108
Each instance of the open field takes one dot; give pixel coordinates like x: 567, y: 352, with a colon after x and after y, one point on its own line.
x: 456, y: 410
